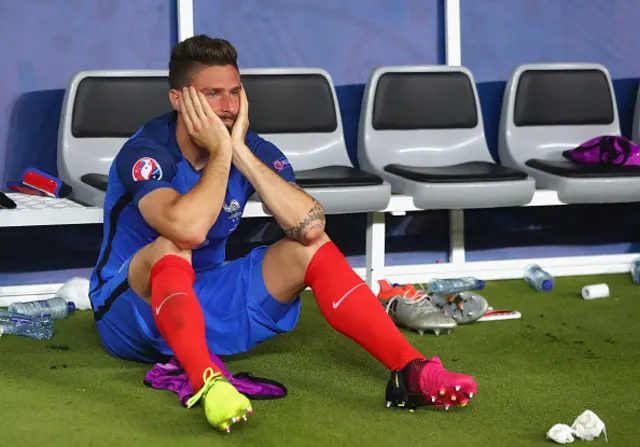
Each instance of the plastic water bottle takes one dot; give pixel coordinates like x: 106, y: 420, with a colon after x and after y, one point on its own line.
x: 58, y: 308
x: 537, y: 278
x: 35, y: 327
x: 455, y: 285
x: 635, y: 270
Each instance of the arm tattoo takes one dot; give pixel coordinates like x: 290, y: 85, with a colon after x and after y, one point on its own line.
x: 315, y: 219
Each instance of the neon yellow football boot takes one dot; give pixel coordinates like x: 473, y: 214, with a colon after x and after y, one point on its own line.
x: 223, y: 404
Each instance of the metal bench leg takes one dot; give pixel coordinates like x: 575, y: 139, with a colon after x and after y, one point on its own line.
x: 456, y: 237
x: 375, y: 248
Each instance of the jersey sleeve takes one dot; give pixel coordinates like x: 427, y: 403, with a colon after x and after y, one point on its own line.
x: 145, y: 169
x: 271, y: 156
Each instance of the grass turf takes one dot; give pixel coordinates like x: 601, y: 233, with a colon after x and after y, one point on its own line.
x: 564, y: 356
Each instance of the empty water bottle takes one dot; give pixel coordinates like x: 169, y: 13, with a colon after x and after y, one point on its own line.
x: 537, y: 278
x: 34, y: 327
x: 455, y: 285
x: 58, y: 308
x: 635, y: 270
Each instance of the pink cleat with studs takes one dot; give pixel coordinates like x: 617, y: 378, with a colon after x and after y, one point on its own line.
x: 426, y: 382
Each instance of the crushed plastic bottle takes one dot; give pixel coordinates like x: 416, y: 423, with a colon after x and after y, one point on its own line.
x: 35, y: 327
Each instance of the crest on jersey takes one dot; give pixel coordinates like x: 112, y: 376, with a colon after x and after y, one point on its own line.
x: 146, y: 168
x: 281, y: 163
x: 232, y: 207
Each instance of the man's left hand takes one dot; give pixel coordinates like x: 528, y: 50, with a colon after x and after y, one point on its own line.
x: 240, y: 127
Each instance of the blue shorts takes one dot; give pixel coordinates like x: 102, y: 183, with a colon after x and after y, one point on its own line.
x: 238, y: 310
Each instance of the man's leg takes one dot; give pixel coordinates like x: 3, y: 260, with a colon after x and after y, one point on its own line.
x: 351, y: 308
x: 344, y: 299
x: 162, y: 275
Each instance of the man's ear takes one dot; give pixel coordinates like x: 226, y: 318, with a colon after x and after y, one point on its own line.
x: 174, y: 96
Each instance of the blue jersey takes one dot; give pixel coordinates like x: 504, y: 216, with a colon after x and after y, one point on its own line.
x: 151, y: 159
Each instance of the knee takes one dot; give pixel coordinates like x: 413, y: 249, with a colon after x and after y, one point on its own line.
x: 163, y: 246
x: 317, y: 240
x: 143, y: 262
x: 307, y: 251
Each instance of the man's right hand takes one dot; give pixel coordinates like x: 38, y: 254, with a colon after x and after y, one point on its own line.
x: 204, y: 126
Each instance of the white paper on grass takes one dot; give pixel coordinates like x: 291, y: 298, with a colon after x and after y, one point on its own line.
x: 589, y: 426
x: 561, y: 433
x: 586, y: 427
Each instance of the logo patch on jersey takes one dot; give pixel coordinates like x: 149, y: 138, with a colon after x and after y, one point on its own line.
x: 146, y: 168
x: 235, y: 213
x: 281, y: 163
x: 231, y: 207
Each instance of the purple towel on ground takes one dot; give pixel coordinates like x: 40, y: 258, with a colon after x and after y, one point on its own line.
x: 170, y: 376
x: 606, y: 150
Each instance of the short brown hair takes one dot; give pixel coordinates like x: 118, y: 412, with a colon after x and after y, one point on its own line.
x: 195, y: 53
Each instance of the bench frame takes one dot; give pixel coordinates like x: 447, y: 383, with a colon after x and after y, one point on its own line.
x: 375, y: 267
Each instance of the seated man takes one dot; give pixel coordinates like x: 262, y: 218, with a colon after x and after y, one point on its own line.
x: 176, y: 190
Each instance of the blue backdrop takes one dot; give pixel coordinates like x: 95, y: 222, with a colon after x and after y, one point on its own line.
x: 340, y: 36
x: 47, y: 42
x: 498, y: 35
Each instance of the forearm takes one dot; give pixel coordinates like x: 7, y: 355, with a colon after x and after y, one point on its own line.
x: 300, y: 215
x: 199, y: 208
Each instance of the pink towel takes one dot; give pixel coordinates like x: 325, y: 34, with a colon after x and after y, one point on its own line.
x: 170, y: 376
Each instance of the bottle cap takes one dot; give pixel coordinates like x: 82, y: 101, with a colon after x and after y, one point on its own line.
x: 480, y: 284
x: 71, y: 306
x: 547, y: 285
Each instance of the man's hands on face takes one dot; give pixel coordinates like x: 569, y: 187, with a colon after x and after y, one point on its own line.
x: 203, y: 125
x: 240, y: 127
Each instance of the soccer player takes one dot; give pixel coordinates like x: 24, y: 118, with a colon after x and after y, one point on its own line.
x: 176, y: 190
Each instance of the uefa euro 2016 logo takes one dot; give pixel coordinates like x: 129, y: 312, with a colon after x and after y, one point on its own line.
x: 146, y: 168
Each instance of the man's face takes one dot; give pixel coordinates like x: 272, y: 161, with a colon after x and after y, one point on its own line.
x: 221, y: 87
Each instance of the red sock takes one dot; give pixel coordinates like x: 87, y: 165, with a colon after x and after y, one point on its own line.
x: 350, y: 306
x: 179, y: 317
